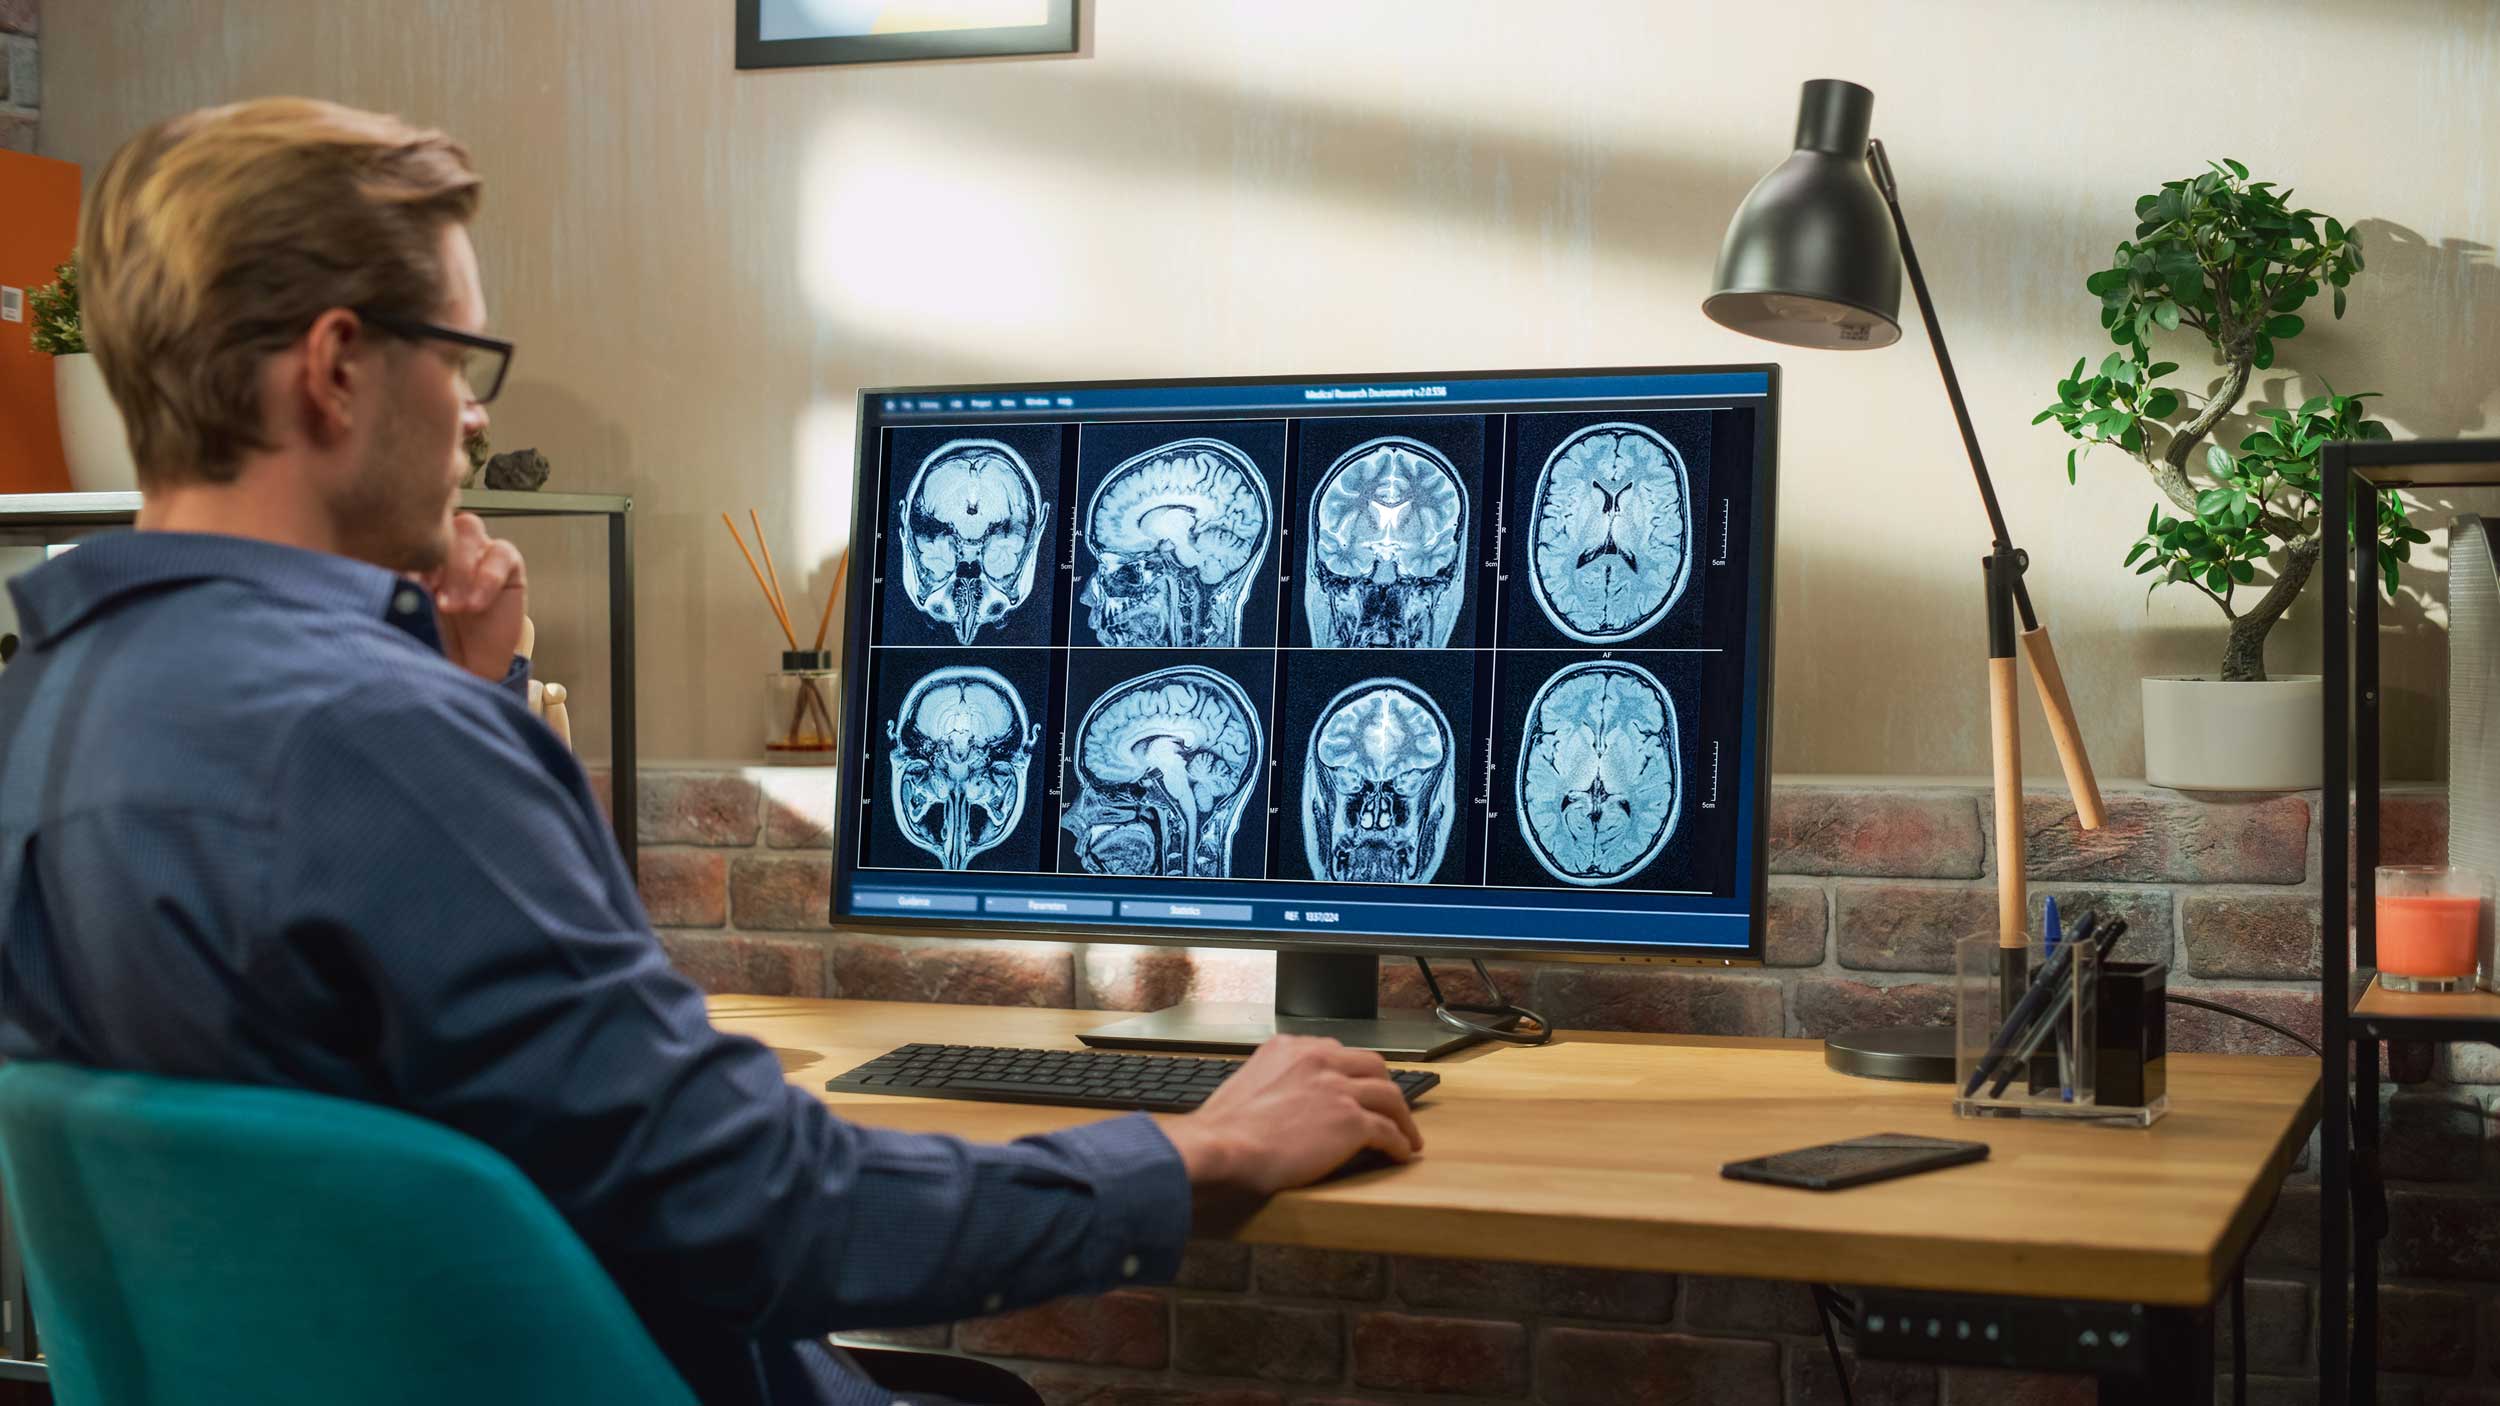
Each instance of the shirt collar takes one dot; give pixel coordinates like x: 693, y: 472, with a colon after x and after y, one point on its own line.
x: 59, y: 596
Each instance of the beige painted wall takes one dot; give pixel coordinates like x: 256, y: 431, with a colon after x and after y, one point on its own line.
x: 702, y: 266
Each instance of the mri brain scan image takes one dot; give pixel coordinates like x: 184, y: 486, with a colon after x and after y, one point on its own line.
x: 1176, y: 533
x: 1599, y: 791
x: 973, y: 524
x: 1165, y: 765
x: 1388, y: 538
x: 1611, y: 536
x: 1379, y: 785
x: 961, y: 748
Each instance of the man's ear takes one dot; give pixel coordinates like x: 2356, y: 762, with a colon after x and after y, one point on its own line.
x: 336, y: 365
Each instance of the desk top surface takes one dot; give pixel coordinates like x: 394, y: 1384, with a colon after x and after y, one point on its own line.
x: 1604, y: 1150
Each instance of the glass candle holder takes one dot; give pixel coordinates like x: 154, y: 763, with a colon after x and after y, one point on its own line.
x: 2429, y: 917
x: 800, y: 713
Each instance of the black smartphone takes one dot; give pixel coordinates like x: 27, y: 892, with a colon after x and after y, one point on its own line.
x: 1856, y: 1162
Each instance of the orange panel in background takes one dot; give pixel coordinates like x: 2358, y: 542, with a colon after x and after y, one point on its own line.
x: 38, y: 227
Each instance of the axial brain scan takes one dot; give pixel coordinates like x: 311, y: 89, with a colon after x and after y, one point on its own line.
x: 1612, y: 532
x: 1379, y: 785
x: 1177, y: 533
x: 1388, y: 535
x: 1164, y: 766
x: 962, y: 746
x: 1599, y: 790
x: 972, y: 526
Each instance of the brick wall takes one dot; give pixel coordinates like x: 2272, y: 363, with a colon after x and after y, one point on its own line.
x: 1870, y: 885
x: 21, y: 88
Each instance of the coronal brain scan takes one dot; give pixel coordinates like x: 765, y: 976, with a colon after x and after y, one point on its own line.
x: 1379, y: 785
x: 961, y: 748
x: 1611, y: 539
x: 1164, y: 766
x: 1599, y: 789
x: 1388, y: 536
x: 972, y: 524
x: 1177, y: 534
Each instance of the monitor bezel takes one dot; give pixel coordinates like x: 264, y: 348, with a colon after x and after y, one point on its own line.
x: 864, y: 529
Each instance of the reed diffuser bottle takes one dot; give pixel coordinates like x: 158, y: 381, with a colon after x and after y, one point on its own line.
x: 799, y: 700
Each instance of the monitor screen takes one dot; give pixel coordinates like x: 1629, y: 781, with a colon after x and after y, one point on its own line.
x: 1465, y: 663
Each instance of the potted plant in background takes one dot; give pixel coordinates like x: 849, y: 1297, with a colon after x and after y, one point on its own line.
x: 92, y: 438
x: 2231, y: 261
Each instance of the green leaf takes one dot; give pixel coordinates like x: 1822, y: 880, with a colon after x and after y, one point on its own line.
x: 2373, y: 430
x: 2135, y: 551
x: 2236, y: 168
x: 2160, y: 369
x: 2161, y: 403
x: 2284, y: 325
x: 2218, y: 460
x: 2152, y: 520
x: 2334, y: 229
x: 2070, y: 466
x: 2212, y: 500
x: 2264, y: 357
x: 2166, y: 313
x: 2388, y: 569
x: 2243, y: 572
x: 2131, y: 439
x: 2315, y: 403
x: 2046, y: 413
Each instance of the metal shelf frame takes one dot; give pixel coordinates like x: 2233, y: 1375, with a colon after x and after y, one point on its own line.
x: 2357, y: 1015
x: 90, y: 510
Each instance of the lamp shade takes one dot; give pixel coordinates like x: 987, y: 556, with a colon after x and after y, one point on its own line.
x: 1811, y: 259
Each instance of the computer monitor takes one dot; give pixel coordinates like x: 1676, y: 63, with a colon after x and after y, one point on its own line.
x: 1453, y: 665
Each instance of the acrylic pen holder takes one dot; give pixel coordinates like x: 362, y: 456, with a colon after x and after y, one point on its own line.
x: 2085, y: 1041
x: 800, y: 702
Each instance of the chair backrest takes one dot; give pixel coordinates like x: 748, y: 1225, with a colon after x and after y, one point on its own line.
x: 213, y: 1245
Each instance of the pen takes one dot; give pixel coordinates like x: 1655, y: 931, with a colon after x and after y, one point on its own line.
x: 2065, y: 1039
x: 2103, y: 944
x: 2043, y: 987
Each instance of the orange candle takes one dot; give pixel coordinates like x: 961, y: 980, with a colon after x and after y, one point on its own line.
x: 2428, y: 934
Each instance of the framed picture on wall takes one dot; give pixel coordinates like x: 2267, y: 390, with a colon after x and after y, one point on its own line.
x: 798, y: 33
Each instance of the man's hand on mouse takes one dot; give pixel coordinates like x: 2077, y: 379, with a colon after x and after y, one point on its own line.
x: 1291, y: 1114
x: 481, y: 595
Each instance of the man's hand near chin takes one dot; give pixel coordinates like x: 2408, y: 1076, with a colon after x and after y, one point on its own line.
x: 481, y: 596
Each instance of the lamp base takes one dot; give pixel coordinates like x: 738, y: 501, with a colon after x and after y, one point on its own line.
x: 1911, y: 1055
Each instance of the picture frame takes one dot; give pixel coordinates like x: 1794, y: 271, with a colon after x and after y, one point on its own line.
x: 806, y: 33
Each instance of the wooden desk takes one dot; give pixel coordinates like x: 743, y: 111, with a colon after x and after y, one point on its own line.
x: 1604, y: 1151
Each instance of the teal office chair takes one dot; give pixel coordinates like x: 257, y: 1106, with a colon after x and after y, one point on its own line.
x: 192, y: 1244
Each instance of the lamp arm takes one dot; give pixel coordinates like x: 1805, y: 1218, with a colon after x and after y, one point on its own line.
x: 2046, y: 677
x: 1944, y: 363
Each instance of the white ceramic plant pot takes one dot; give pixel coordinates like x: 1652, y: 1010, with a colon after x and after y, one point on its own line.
x: 2202, y: 734
x: 92, y: 438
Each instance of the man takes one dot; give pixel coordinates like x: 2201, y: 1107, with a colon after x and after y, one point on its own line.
x: 272, y: 811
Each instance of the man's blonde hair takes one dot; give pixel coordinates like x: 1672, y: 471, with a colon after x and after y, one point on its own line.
x: 216, y: 238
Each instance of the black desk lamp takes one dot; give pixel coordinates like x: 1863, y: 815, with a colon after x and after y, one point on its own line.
x: 1814, y: 259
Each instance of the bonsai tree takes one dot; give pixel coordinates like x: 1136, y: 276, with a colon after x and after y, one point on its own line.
x: 55, y: 306
x: 2231, y: 260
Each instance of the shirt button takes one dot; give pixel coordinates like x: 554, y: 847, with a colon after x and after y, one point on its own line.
x: 993, y: 1303
x: 1129, y: 1267
x: 407, y: 602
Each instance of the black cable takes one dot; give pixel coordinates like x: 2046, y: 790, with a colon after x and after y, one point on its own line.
x: 1454, y: 1015
x: 2239, y: 1337
x: 2237, y: 1014
x: 1823, y: 1305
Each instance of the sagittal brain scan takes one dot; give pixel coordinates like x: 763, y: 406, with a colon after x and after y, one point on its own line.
x: 973, y: 524
x: 1164, y: 767
x: 1599, y: 789
x: 962, y: 745
x: 1177, y: 534
x: 1379, y: 785
x: 1611, y: 541
x: 1388, y: 536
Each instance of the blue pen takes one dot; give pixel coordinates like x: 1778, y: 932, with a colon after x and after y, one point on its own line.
x: 2055, y: 937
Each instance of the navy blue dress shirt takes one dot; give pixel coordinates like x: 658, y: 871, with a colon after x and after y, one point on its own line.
x: 254, y: 827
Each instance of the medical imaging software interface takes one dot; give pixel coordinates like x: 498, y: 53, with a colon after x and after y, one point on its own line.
x: 1467, y: 659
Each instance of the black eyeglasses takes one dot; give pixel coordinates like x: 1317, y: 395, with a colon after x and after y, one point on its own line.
x: 483, y: 360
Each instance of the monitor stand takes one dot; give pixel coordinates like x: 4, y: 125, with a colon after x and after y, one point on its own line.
x: 1336, y: 994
